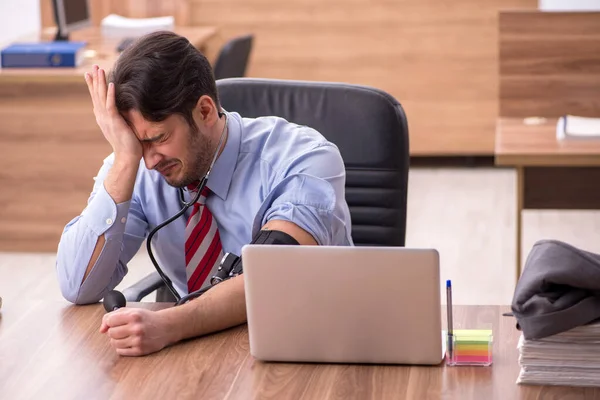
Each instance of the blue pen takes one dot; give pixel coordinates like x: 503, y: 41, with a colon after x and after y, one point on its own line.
x: 449, y: 314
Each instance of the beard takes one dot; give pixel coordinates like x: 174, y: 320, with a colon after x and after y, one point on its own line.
x: 197, y: 160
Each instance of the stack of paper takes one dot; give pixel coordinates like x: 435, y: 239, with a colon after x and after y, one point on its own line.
x: 116, y: 26
x: 572, y: 127
x: 570, y: 358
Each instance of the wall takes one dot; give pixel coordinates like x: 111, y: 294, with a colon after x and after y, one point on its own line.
x: 438, y: 58
x: 127, y: 8
x: 569, y: 5
x: 18, y: 18
x: 549, y: 64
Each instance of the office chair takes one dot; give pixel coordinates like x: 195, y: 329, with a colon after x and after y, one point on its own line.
x: 233, y: 58
x: 368, y: 126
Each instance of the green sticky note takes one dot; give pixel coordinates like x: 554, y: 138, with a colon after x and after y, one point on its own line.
x: 472, y: 335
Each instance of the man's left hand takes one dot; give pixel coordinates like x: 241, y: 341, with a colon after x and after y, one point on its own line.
x: 136, y: 331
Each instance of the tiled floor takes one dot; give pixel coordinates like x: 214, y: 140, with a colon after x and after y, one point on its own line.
x: 468, y: 215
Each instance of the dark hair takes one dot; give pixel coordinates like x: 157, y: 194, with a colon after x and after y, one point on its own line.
x: 162, y: 74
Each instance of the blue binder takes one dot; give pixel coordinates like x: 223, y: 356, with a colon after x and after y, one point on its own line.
x: 42, y: 55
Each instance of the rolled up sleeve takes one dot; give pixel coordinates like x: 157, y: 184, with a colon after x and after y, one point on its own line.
x: 311, y: 194
x: 123, y: 233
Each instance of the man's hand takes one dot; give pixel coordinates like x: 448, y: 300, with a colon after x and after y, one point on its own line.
x: 136, y: 331
x: 125, y: 144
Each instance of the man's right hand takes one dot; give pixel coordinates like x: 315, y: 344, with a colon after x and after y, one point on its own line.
x: 125, y: 144
x: 120, y: 180
x: 127, y: 148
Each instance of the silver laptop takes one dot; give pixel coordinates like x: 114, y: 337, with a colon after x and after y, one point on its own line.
x: 335, y: 304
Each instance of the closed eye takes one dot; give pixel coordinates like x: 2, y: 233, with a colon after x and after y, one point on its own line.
x: 155, y: 139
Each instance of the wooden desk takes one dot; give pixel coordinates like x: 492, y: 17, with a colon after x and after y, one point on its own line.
x: 101, y: 49
x: 51, y: 349
x: 51, y: 146
x: 551, y: 174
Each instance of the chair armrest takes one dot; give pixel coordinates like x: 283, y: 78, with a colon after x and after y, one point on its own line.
x: 143, y: 287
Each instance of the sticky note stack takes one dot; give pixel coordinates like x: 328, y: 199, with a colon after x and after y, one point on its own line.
x: 472, y: 347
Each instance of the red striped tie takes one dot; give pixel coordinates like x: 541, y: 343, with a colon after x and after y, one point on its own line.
x: 203, y: 250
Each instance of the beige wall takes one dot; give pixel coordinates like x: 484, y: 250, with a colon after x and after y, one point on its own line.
x: 18, y: 18
x: 438, y: 58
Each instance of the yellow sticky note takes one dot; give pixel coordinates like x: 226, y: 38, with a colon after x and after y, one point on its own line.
x: 472, y: 332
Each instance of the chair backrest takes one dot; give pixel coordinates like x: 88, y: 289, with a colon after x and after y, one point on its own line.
x: 369, y: 127
x: 233, y: 58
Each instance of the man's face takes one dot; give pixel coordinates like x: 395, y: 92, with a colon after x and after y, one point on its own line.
x: 179, y: 153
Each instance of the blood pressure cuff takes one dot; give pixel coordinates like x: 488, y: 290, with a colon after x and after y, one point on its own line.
x: 232, y: 264
x: 273, y: 237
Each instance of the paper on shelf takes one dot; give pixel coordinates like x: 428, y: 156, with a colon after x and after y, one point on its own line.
x: 573, y: 127
x: 118, y: 26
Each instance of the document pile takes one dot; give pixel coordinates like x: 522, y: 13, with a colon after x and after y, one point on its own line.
x: 116, y: 26
x: 570, y: 358
x: 572, y: 127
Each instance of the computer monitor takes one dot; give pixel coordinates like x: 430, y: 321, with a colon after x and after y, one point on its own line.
x: 70, y: 15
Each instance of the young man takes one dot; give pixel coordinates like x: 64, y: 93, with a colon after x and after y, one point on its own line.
x: 161, y: 114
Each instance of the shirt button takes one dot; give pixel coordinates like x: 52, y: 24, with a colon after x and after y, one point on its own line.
x: 109, y: 221
x: 123, y: 220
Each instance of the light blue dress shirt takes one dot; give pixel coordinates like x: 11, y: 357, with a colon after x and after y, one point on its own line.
x: 269, y: 169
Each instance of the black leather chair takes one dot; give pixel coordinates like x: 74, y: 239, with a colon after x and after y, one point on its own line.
x: 233, y: 58
x: 368, y: 126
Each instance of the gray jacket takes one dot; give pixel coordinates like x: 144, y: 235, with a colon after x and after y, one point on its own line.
x: 558, y: 290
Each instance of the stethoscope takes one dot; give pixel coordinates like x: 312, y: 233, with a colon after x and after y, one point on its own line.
x: 198, y: 191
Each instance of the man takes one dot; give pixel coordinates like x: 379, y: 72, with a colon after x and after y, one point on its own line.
x: 162, y: 106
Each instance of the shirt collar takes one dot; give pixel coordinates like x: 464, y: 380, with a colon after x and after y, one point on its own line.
x: 221, y: 175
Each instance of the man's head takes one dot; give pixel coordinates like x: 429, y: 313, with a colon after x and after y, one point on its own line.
x: 166, y: 91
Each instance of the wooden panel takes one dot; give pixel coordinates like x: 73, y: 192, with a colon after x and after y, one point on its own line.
x: 127, y: 8
x: 520, y: 144
x: 50, y: 153
x: 562, y: 188
x: 549, y: 64
x: 439, y: 59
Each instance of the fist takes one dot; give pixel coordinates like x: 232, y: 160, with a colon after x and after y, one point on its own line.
x: 136, y: 331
